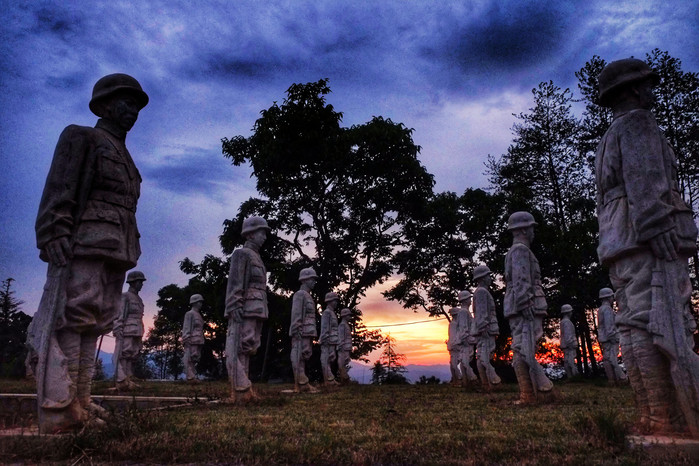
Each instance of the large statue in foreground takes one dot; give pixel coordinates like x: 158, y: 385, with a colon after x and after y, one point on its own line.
x: 608, y: 337
x: 128, y: 332
x: 303, y: 329
x: 246, y: 306
x: 193, y: 337
x: 525, y: 307
x: 86, y: 231
x: 646, y: 236
x: 485, y: 326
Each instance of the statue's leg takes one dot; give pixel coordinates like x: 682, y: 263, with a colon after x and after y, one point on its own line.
x: 488, y: 351
x: 526, y: 391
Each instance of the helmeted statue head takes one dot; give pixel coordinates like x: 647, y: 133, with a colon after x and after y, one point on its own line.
x: 111, y: 84
x: 566, y: 309
x: 520, y: 219
x: 606, y: 293
x: 345, y: 312
x: 252, y: 224
x: 135, y: 275
x: 480, y: 271
x: 307, y: 273
x: 622, y: 72
x: 332, y: 296
x: 196, y: 298
x: 463, y: 296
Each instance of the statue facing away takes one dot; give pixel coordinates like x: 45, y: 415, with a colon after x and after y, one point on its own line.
x: 647, y: 234
x: 454, y: 346
x: 303, y: 329
x: 329, y: 337
x: 525, y: 307
x: 344, y: 345
x: 608, y: 337
x: 128, y: 332
x: 193, y: 337
x: 246, y: 306
x: 86, y: 231
x: 485, y: 327
x: 569, y: 341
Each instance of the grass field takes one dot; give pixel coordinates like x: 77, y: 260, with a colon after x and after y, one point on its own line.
x: 428, y: 424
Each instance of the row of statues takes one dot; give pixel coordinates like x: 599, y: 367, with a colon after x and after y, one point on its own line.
x: 86, y: 231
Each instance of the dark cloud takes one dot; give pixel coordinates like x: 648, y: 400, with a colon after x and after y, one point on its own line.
x: 69, y: 81
x: 197, y: 171
x: 59, y: 20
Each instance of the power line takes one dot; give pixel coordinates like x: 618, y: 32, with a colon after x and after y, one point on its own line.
x: 406, y: 323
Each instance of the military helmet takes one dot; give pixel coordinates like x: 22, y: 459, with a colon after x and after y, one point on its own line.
x: 622, y: 72
x: 307, y: 273
x: 520, y: 219
x: 463, y: 295
x: 252, y: 224
x: 566, y: 309
x: 196, y: 298
x: 345, y: 312
x: 332, y: 296
x: 480, y: 271
x: 606, y: 293
x: 135, y: 275
x: 111, y: 84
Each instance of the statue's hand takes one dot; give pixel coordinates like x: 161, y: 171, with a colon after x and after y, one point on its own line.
x: 58, y: 251
x: 666, y: 245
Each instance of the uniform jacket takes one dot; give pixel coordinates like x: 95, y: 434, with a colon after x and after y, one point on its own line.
x: 90, y: 196
x: 606, y: 329
x: 130, y: 320
x: 246, y: 292
x: 344, y: 337
x: 466, y: 327
x: 568, y: 338
x: 193, y: 328
x: 637, y: 192
x: 486, y: 321
x: 303, y: 315
x: 454, y: 341
x: 328, y: 328
x: 523, y: 282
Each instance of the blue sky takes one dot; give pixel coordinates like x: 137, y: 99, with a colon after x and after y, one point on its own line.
x: 453, y: 71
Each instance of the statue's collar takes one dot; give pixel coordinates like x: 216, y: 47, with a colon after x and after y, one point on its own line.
x: 111, y: 128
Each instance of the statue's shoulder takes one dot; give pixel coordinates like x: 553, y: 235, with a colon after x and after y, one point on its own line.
x: 74, y: 132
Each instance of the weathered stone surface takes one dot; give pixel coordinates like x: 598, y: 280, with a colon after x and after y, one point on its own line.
x: 128, y: 332
x: 303, y: 329
x: 647, y: 233
x: 329, y: 337
x: 193, y: 336
x: 485, y: 326
x: 608, y: 337
x: 569, y: 341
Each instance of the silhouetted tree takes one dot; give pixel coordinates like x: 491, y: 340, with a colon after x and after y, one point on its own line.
x: 13, y: 332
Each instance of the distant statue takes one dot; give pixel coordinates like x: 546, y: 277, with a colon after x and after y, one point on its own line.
x: 646, y: 235
x: 344, y: 345
x: 128, y: 332
x: 454, y: 346
x: 608, y: 337
x: 329, y: 337
x: 485, y: 327
x: 246, y: 307
x: 193, y: 337
x: 525, y: 307
x: 467, y: 338
x: 569, y: 341
x: 303, y: 329
x: 86, y: 231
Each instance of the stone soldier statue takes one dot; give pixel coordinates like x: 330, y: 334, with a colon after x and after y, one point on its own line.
x: 344, y: 345
x: 646, y: 236
x: 329, y: 337
x: 128, y: 332
x: 454, y: 346
x: 525, y: 307
x: 246, y: 306
x: 86, y: 231
x: 193, y: 336
x: 486, y: 327
x: 608, y: 337
x: 303, y: 329
x: 468, y: 339
x: 569, y: 341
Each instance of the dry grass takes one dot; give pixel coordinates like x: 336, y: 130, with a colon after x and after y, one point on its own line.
x: 358, y: 425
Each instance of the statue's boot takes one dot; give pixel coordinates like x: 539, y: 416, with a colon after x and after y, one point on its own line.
x: 85, y: 375
x: 493, y: 377
x: 484, y: 377
x: 468, y: 372
x: 307, y: 388
x: 526, y: 391
x: 664, y: 415
x: 543, y: 383
x: 609, y: 372
x: 248, y: 395
x: 636, y: 380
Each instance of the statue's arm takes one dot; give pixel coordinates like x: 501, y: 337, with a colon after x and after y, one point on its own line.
x: 235, y: 289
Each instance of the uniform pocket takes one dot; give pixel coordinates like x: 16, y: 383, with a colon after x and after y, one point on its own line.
x: 99, y: 228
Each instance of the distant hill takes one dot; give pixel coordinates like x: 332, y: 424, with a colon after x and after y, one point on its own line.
x: 362, y: 372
